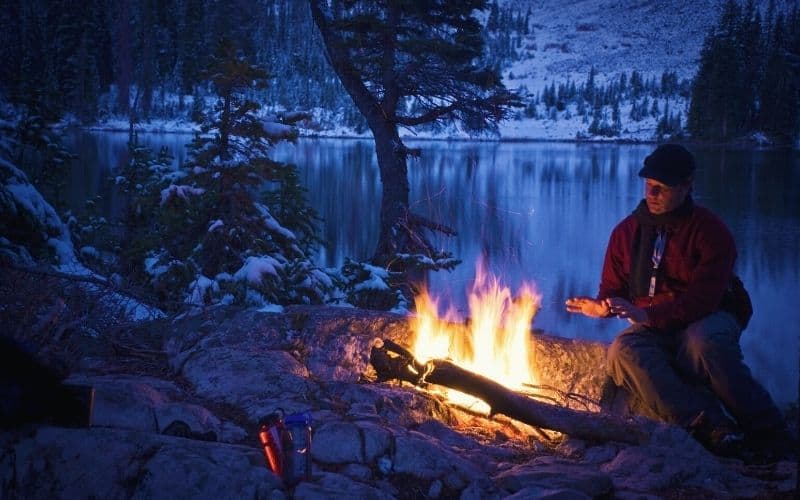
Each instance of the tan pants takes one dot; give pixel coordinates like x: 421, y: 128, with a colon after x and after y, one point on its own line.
x: 679, y: 374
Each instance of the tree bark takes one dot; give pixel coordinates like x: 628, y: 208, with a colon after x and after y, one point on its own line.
x: 394, y: 362
x: 394, y: 180
x: 381, y: 119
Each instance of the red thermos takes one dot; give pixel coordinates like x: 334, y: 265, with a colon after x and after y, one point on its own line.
x: 273, y: 436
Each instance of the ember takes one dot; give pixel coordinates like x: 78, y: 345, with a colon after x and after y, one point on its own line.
x: 495, y: 342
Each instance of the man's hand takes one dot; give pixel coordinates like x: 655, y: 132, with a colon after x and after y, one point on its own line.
x: 588, y: 306
x: 625, y: 310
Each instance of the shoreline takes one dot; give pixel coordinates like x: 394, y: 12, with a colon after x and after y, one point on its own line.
x: 158, y: 128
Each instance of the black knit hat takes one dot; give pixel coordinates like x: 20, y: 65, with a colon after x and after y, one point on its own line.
x: 670, y: 164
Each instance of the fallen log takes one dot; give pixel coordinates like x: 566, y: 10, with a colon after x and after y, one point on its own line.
x: 392, y: 361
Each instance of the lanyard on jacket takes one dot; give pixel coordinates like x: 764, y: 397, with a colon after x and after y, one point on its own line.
x: 658, y: 253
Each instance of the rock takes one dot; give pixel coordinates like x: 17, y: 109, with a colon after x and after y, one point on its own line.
x: 541, y: 493
x: 556, y: 474
x: 338, y: 486
x: 337, y: 443
x: 149, y: 404
x: 436, y: 489
x: 446, y: 435
x: 421, y: 456
x: 357, y: 472
x: 571, y: 447
x: 253, y: 379
x: 482, y: 489
x: 52, y: 462
x: 377, y: 441
x: 600, y: 454
x: 673, y: 458
x: 570, y: 365
x: 348, y: 333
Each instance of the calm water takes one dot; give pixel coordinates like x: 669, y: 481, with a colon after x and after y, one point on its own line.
x: 541, y: 213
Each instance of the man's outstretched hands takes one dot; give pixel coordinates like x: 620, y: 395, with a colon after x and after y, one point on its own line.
x: 615, y: 306
x: 588, y: 306
x: 621, y: 308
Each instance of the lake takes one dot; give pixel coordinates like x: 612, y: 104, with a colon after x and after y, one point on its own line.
x: 539, y: 213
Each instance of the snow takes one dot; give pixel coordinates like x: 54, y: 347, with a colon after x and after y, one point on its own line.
x: 255, y: 267
x: 376, y: 281
x: 271, y: 308
x: 152, y: 266
x: 180, y: 190
x: 199, y: 288
x: 90, y: 251
x: 278, y: 130
x: 273, y: 224
x: 26, y: 198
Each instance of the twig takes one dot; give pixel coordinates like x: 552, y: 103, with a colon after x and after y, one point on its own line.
x: 585, y: 400
x: 418, y: 220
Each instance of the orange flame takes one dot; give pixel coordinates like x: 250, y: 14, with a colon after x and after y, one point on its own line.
x: 494, y: 343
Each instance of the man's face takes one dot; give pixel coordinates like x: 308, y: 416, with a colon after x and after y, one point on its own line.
x: 661, y: 198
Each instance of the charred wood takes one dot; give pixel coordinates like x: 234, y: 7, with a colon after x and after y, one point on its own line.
x: 392, y: 361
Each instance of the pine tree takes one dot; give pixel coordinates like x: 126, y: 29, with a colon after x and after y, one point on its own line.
x: 721, y: 101
x: 636, y: 84
x: 234, y: 226
x: 385, y: 54
x: 616, y: 118
x: 778, y: 115
x: 123, y: 57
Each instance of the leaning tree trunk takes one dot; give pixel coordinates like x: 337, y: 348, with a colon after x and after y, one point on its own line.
x: 394, y: 201
x: 400, y: 231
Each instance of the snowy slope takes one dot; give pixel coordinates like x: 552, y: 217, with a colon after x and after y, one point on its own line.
x: 614, y: 37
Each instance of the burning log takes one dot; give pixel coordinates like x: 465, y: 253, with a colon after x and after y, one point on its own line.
x: 392, y: 361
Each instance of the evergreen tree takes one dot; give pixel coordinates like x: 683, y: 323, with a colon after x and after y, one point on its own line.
x: 654, y: 111
x: 616, y: 118
x: 637, y: 85
x: 385, y: 54
x: 123, y: 57
x: 735, y: 92
x: 85, y: 81
x: 779, y: 115
x: 589, y: 90
x: 233, y: 225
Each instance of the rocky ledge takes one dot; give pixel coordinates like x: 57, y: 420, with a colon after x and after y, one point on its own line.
x: 177, y: 404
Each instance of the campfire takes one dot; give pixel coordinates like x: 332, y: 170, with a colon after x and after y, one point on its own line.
x: 484, y: 362
x: 494, y: 341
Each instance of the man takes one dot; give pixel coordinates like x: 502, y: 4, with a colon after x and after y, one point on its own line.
x: 667, y: 270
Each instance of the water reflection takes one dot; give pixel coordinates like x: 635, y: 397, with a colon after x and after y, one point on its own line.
x: 543, y: 212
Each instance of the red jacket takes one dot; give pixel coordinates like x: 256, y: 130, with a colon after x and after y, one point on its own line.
x: 696, y: 269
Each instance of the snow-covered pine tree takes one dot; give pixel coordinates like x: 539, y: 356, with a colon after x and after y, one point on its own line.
x: 232, y: 225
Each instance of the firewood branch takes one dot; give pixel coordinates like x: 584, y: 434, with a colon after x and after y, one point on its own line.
x: 392, y: 361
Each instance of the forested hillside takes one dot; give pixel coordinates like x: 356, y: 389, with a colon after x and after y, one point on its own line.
x: 589, y: 70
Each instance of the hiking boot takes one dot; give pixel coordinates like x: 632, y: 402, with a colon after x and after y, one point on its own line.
x: 721, y: 436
